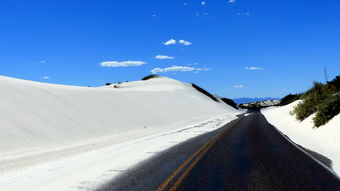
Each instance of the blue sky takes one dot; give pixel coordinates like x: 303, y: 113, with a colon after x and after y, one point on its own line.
x: 234, y: 48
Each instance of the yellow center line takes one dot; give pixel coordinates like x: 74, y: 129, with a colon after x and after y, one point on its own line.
x: 174, y: 174
x: 199, y: 152
x: 193, y: 164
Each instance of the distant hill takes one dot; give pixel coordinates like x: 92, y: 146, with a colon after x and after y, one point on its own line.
x: 259, y: 104
x: 250, y: 100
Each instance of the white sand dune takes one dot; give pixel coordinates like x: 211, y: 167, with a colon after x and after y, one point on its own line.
x: 47, y: 130
x: 37, y: 116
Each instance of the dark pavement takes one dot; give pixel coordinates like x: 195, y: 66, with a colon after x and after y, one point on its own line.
x: 246, y: 154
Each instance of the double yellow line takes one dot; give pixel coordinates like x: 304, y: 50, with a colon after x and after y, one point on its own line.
x: 195, y: 158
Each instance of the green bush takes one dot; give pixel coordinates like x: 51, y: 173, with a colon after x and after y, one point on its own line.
x: 314, y: 96
x: 304, y: 109
x: 290, y: 98
x: 322, y: 99
x: 150, y: 76
x: 327, y: 110
x: 334, y: 85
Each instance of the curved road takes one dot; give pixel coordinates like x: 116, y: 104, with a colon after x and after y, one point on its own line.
x: 246, y: 154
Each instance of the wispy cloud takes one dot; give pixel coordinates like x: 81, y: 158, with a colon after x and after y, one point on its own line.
x: 121, y: 64
x: 203, y: 3
x: 45, y: 77
x: 193, y: 64
x: 253, y: 68
x: 184, y: 42
x: 239, y: 86
x: 35, y: 63
x: 162, y: 57
x: 170, y: 42
x: 231, y: 1
x: 198, y: 14
x: 178, y: 69
x: 243, y: 13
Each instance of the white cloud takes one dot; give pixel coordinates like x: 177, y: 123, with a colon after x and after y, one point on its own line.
x: 170, y: 42
x: 202, y: 69
x: 253, y: 68
x: 42, y: 62
x: 231, y: 1
x: 239, y: 86
x: 184, y: 42
x: 173, y: 41
x: 162, y: 57
x: 243, y: 14
x: 45, y: 77
x: 178, y: 69
x: 121, y: 64
x: 203, y: 3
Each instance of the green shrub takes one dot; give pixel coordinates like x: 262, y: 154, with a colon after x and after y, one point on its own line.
x: 327, y: 110
x: 304, y: 109
x: 322, y: 99
x: 290, y: 98
x: 334, y: 85
x: 150, y: 76
x: 311, y: 99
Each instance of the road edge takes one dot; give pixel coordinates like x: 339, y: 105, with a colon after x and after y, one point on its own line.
x: 302, y: 150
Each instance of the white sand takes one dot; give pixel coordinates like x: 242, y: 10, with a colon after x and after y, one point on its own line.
x: 55, y: 137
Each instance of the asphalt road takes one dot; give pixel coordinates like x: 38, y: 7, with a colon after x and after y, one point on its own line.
x: 246, y: 154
